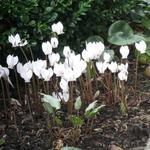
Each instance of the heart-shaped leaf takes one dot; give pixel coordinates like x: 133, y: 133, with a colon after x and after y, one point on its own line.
x: 120, y: 26
x: 120, y: 33
x: 122, y: 39
x: 78, y: 103
x: 55, y: 103
x: 48, y: 107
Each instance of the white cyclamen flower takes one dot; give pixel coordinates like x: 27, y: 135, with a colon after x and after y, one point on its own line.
x: 101, y: 66
x: 58, y: 28
x: 26, y: 74
x: 25, y: 71
x: 11, y: 61
x: 106, y: 57
x: 59, y: 69
x: 94, y: 49
x: 123, y: 75
x: 69, y: 74
x: 19, y: 67
x: 66, y: 51
x: 47, y: 74
x: 38, y: 66
x: 141, y: 46
x: 113, y: 67
x: 47, y: 48
x: 85, y: 55
x: 65, y: 96
x: 54, y: 58
x: 124, y: 51
x: 16, y: 40
x: 64, y: 85
x: 123, y: 67
x: 4, y: 73
x: 54, y: 42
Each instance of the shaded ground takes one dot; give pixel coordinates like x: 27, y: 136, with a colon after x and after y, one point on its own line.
x: 126, y: 131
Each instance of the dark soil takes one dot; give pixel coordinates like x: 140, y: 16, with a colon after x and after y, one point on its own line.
x: 22, y: 132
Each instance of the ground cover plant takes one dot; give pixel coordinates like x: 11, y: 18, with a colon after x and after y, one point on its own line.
x: 70, y: 90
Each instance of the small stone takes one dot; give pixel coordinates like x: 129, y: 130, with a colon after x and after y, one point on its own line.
x: 137, y: 148
x: 114, y: 147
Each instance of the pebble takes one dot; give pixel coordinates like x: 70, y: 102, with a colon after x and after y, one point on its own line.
x: 114, y: 147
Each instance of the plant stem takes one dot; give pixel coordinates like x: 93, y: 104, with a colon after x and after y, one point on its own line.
x: 123, y: 99
x: 32, y: 56
x: 70, y: 102
x: 25, y: 56
x: 4, y: 99
x: 18, y: 91
x: 7, y: 90
x: 28, y: 98
x: 89, y: 85
x: 136, y: 71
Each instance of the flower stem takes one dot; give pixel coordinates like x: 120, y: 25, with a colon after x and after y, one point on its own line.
x: 3, y: 93
x: 70, y: 102
x: 136, y: 72
x: 19, y: 96
x: 25, y: 56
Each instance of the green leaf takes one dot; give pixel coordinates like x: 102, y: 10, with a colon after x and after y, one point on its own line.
x: 92, y: 113
x: 148, y: 48
x: 122, y: 39
x: 48, y: 107
x: 58, y: 121
x: 122, y: 108
x: 91, y: 106
x: 120, y: 33
x: 2, y: 141
x: 76, y: 121
x: 111, y: 53
x: 120, y: 26
x: 95, y: 38
x: 78, y: 103
x: 146, y: 23
x: 49, y: 9
x: 53, y: 17
x: 70, y: 148
x: 55, y: 103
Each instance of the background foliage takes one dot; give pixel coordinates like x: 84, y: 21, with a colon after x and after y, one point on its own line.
x: 32, y: 19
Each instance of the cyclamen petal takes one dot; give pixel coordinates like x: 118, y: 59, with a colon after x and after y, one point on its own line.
x: 47, y: 48
x: 64, y: 85
x: 54, y: 42
x: 16, y: 40
x: 123, y: 75
x: 124, y: 51
x: 58, y: 28
x: 101, y: 66
x: 54, y: 58
x: 59, y: 69
x: 11, y: 61
x: 26, y: 74
x: 95, y: 49
x: 66, y: 51
x: 47, y: 74
x: 141, y: 47
x: 106, y: 57
x: 85, y: 55
x: 113, y: 67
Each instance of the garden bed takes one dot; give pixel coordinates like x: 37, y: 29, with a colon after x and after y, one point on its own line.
x: 111, y: 127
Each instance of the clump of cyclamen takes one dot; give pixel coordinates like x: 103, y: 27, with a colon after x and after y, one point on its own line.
x: 73, y: 66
